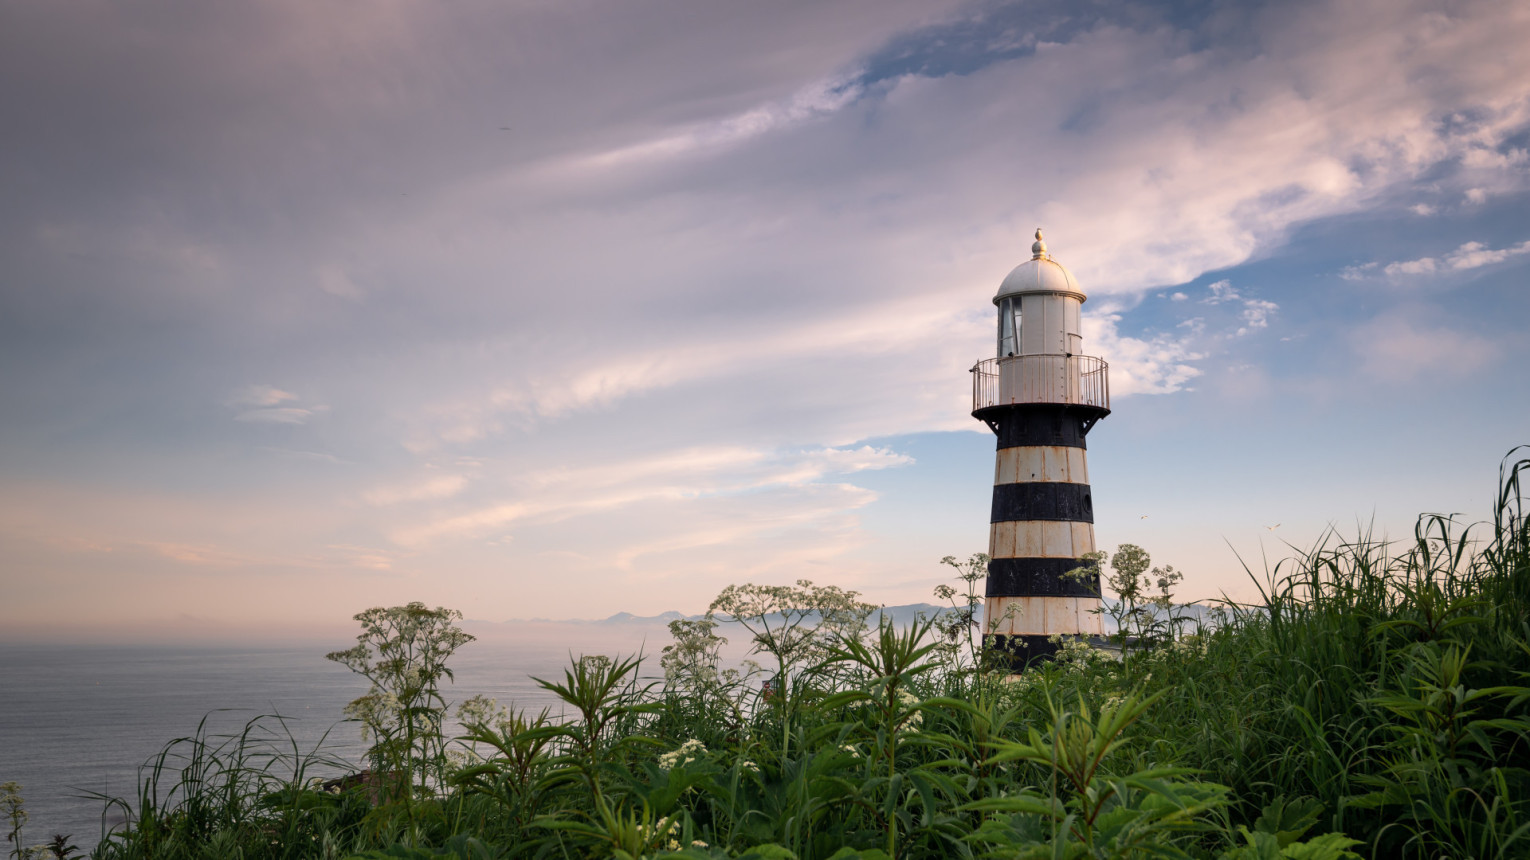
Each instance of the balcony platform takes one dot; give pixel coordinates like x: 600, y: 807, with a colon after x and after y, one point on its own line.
x: 1078, y: 381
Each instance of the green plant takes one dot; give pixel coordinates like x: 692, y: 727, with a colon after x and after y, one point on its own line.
x: 1141, y: 617
x: 402, y: 651
x: 692, y: 661
x: 889, y: 663
x: 15, y: 811
x: 604, y: 693
x: 778, y: 616
x: 1089, y: 810
x: 956, y: 628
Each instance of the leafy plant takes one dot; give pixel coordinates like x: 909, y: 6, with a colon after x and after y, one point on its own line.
x: 403, y: 651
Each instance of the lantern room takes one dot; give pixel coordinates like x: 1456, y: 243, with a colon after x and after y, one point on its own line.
x: 1039, y: 307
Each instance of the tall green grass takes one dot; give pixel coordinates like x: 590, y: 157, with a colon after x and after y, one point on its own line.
x: 1375, y: 701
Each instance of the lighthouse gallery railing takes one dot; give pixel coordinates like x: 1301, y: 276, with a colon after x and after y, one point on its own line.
x: 1076, y: 380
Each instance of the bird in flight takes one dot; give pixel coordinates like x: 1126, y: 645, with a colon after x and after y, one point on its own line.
x: 1274, y: 527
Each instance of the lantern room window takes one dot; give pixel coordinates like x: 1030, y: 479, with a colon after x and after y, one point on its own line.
x: 1009, y: 326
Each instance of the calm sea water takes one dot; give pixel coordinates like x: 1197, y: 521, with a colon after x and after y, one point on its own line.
x: 85, y: 718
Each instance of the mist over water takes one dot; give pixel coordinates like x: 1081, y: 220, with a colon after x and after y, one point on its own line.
x: 84, y: 718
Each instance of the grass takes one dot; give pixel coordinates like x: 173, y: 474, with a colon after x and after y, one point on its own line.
x: 1374, y: 702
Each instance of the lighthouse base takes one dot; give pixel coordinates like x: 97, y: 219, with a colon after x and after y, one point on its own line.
x: 1018, y: 652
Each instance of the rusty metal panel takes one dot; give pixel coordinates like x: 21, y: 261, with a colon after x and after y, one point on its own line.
x: 1076, y: 380
x: 1006, y: 466
x: 1040, y: 539
x: 1050, y: 463
x: 1083, y: 538
x: 1078, y: 465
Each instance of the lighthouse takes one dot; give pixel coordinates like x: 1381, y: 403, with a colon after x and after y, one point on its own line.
x: 1041, y: 396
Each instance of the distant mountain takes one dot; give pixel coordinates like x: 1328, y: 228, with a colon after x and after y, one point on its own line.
x: 629, y: 618
x: 897, y: 614
x: 905, y: 613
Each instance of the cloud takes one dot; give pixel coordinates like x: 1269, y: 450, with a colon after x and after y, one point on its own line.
x: 1421, y: 266
x: 436, y: 487
x: 555, y: 495
x: 266, y: 400
x: 819, y: 98
x: 1357, y: 272
x: 1159, y: 365
x: 1474, y: 255
x: 1221, y: 291
x: 1256, y: 315
x: 713, y: 249
x: 261, y: 404
x: 1470, y: 255
x: 261, y: 396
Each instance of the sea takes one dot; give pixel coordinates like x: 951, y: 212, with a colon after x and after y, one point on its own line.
x: 80, y: 723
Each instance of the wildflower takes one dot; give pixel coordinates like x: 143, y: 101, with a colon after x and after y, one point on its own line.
x: 697, y: 843
x: 748, y: 765
x: 378, y: 712
x: 480, y: 711
x: 14, y: 809
x: 687, y: 752
x: 914, y: 720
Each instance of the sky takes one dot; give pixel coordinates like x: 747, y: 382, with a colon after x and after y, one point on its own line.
x: 562, y: 309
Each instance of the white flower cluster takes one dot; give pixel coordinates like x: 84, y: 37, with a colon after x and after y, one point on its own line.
x: 379, y: 713
x: 1191, y: 647
x: 687, y: 752
x: 912, y: 722
x: 1075, y: 653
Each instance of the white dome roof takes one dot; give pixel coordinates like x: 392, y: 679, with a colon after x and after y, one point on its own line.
x: 1039, y: 274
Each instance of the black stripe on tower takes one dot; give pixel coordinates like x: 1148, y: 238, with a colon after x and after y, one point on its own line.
x: 1040, y: 577
x: 1041, y: 424
x: 1042, y: 500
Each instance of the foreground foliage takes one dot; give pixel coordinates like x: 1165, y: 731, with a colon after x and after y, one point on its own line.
x: 1375, y: 703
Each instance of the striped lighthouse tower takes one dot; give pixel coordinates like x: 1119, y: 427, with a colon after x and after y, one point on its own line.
x: 1040, y: 395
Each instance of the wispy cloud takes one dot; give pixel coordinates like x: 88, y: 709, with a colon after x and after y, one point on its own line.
x: 1221, y: 291
x: 261, y: 404
x: 429, y: 489
x: 1156, y: 365
x: 1256, y: 315
x: 1469, y: 255
x: 554, y: 495
x: 261, y: 396
x: 817, y: 99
